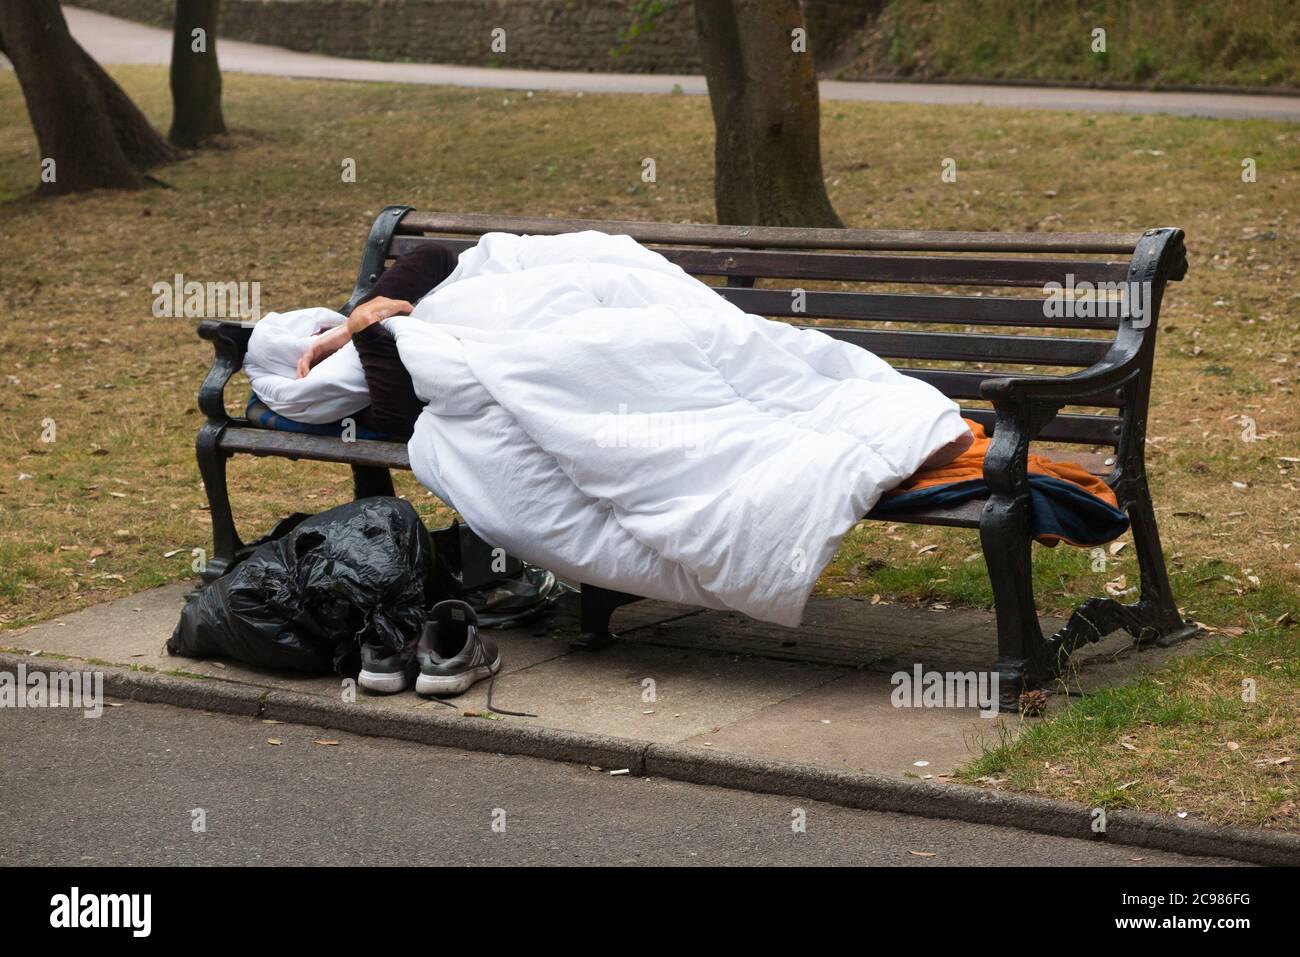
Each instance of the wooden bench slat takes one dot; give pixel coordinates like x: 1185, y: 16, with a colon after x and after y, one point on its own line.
x: 959, y: 384
x: 254, y: 440
x: 909, y: 307
x: 912, y: 270
x: 891, y: 307
x: 956, y: 347
x: 963, y: 515
x: 1071, y: 428
x: 918, y: 240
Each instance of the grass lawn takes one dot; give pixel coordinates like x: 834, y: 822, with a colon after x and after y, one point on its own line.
x: 1251, y: 43
x: 114, y: 504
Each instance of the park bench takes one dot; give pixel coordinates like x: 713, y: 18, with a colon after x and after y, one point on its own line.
x: 1036, y: 366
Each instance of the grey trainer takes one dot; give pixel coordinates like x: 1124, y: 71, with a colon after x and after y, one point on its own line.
x: 452, y: 652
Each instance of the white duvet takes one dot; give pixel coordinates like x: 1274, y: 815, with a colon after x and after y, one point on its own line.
x: 595, y: 410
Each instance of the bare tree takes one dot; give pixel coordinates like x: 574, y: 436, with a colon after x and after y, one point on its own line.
x: 89, y: 132
x: 195, y: 75
x: 763, y: 89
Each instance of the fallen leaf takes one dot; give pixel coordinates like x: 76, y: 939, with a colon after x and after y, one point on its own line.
x: 327, y: 742
x: 275, y: 741
x: 922, y: 853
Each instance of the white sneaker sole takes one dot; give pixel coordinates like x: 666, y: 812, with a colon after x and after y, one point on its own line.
x: 454, y: 684
x: 383, y: 682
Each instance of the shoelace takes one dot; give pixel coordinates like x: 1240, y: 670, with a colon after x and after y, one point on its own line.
x: 492, y: 683
x: 495, y: 710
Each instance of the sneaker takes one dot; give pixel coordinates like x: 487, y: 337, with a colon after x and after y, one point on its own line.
x: 516, y: 601
x: 452, y: 653
x: 385, y: 671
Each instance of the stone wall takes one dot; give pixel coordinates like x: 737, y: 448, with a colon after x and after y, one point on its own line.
x: 584, y: 35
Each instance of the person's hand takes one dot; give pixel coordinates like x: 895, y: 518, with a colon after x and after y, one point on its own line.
x: 327, y: 343
x: 323, y: 345
x: 379, y: 308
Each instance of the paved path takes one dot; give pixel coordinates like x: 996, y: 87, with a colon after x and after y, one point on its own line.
x: 120, y: 789
x: 112, y: 40
x: 831, y: 706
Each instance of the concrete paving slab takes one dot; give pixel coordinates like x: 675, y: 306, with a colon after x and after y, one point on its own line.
x: 850, y: 723
x: 841, y: 631
x: 693, y: 693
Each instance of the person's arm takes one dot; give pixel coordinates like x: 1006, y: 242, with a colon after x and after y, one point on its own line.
x: 332, y: 340
x: 410, y: 277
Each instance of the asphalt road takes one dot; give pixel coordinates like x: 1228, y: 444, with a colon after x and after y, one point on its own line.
x: 124, y: 789
x: 113, y: 40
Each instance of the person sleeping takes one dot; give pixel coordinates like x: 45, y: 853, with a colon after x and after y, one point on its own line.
x: 591, y: 408
x: 394, y: 406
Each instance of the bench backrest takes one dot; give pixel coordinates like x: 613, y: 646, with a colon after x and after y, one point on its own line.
x: 960, y: 329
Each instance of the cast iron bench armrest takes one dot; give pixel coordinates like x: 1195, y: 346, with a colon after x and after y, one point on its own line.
x: 230, y: 343
x: 1116, y: 368
x: 1025, y: 405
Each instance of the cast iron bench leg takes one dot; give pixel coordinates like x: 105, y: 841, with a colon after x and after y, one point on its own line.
x: 1004, y: 535
x: 371, y: 480
x: 1163, y: 617
x: 226, y: 543
x: 1154, y: 617
x: 598, y: 606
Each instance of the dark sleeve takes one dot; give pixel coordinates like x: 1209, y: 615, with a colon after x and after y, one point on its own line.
x: 394, y: 406
x: 413, y: 274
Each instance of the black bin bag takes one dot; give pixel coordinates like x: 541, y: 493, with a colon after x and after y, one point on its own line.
x: 305, y: 601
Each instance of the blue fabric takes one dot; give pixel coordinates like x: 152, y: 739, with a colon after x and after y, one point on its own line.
x: 1057, y: 508
x: 258, y: 413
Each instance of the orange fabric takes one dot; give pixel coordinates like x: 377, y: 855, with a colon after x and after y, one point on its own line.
x: 970, y: 465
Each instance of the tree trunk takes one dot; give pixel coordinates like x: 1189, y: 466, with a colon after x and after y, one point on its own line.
x: 195, y: 75
x: 142, y: 144
x: 767, y: 153
x: 65, y: 101
x: 84, y: 122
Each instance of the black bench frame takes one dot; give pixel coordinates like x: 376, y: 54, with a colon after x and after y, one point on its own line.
x: 1115, y: 374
